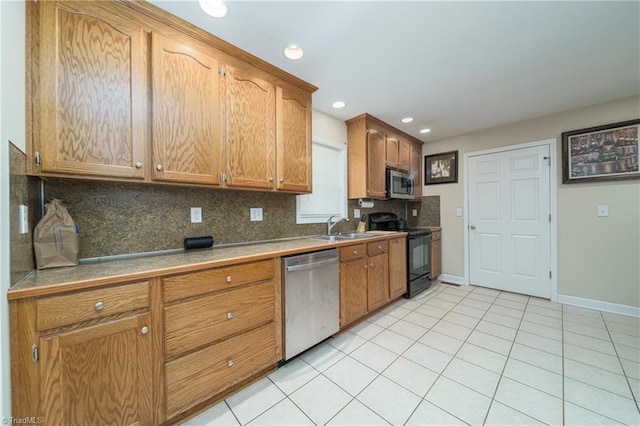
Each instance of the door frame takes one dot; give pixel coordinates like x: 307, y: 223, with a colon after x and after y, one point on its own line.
x: 553, y: 205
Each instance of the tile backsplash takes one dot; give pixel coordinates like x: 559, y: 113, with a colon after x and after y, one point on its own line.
x: 24, y: 190
x: 124, y: 218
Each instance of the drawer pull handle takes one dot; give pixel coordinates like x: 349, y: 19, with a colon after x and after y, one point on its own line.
x: 229, y: 278
x: 229, y: 315
x: 144, y: 330
x: 230, y: 363
x: 99, y: 306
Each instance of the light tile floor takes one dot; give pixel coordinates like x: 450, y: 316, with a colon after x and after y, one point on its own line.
x: 456, y: 355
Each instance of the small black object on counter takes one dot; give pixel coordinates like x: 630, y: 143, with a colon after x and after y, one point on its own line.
x: 198, y: 243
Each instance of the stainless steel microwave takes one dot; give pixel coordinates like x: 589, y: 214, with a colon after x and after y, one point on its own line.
x: 400, y: 185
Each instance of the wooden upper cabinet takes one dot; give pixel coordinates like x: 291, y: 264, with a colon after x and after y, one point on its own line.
x: 376, y: 170
x: 374, y: 146
x: 89, y: 92
x: 98, y: 375
x: 293, y: 123
x: 393, y: 145
x: 248, y: 109
x: 416, y: 169
x: 404, y: 155
x: 186, y: 122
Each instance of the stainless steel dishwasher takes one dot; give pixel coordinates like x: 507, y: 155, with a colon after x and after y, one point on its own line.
x: 311, y: 299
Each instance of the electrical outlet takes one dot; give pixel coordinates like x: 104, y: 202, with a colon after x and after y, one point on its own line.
x: 415, y: 212
x: 196, y: 214
x: 603, y: 211
x: 356, y: 213
x: 459, y: 212
x: 23, y: 219
x: 256, y: 214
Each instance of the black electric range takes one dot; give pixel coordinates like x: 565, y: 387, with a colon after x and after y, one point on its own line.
x: 418, y: 250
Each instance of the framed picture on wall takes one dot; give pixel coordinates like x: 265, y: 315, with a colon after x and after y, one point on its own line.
x: 602, y: 153
x: 441, y: 168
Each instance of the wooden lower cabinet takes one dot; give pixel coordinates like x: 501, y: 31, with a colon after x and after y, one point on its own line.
x: 377, y: 281
x: 222, y: 326
x: 98, y: 375
x: 371, y: 276
x: 397, y: 267
x: 197, y: 377
x: 436, y: 253
x: 353, y: 290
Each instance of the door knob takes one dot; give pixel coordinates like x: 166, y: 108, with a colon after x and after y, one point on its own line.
x: 472, y: 227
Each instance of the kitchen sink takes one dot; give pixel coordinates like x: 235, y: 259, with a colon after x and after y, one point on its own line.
x: 343, y: 237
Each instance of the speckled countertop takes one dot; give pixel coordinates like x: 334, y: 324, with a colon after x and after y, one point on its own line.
x: 51, y: 281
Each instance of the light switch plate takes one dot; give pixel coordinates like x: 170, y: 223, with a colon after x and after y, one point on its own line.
x: 255, y: 214
x: 23, y: 219
x: 603, y: 211
x: 459, y: 212
x: 356, y: 213
x: 196, y: 214
x: 415, y: 212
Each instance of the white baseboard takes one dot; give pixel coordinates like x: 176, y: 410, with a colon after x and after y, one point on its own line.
x: 451, y: 279
x: 632, y: 311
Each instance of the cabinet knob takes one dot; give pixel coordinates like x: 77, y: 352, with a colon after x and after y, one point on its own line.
x: 355, y: 252
x: 138, y: 165
x: 366, y: 266
x: 159, y: 167
x: 379, y: 247
x: 281, y: 180
x: 371, y: 265
x: 230, y: 363
x: 99, y: 306
x: 229, y: 278
x: 229, y: 315
x: 144, y: 330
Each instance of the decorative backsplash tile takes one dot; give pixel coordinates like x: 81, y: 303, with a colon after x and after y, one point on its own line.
x: 23, y: 191
x: 124, y: 218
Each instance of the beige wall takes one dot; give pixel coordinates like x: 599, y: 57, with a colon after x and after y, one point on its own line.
x: 597, y: 257
x: 328, y: 127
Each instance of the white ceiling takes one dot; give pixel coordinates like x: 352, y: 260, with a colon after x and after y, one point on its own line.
x: 455, y: 67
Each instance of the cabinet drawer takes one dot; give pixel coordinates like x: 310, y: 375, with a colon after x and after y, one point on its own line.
x: 204, y: 320
x: 355, y: 251
x: 377, y: 247
x: 201, y: 375
x: 57, y: 311
x: 203, y: 282
x: 435, y: 235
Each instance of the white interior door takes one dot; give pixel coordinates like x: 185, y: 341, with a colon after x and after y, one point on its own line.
x: 509, y: 221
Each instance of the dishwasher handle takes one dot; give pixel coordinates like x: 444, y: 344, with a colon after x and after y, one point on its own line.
x: 306, y: 266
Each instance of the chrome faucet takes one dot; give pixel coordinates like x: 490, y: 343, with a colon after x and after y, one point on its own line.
x: 330, y: 224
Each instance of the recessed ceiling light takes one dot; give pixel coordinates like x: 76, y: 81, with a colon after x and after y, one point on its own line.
x: 215, y: 8
x: 338, y: 104
x: 407, y: 120
x: 293, y: 51
x: 425, y: 130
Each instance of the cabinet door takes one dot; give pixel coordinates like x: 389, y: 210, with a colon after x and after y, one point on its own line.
x: 376, y: 170
x: 250, y: 118
x: 186, y: 118
x: 392, y: 144
x: 90, y: 115
x: 404, y: 155
x: 397, y: 267
x: 353, y: 290
x: 293, y: 111
x: 416, y: 169
x: 378, y: 277
x: 98, y: 375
